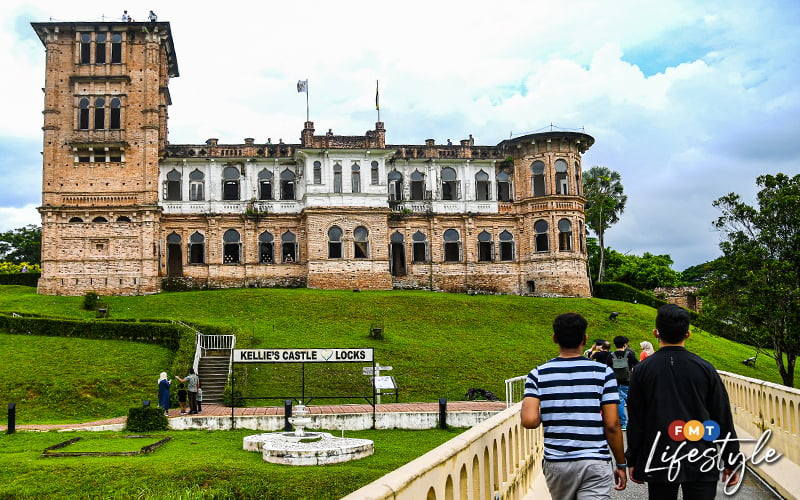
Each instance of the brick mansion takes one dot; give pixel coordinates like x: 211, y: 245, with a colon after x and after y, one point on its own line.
x: 125, y: 212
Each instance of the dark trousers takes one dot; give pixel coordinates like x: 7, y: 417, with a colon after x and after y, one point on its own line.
x: 692, y: 490
x: 193, y: 408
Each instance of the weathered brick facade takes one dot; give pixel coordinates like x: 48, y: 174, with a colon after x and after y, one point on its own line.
x: 122, y: 209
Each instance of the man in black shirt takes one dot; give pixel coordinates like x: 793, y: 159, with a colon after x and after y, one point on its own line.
x: 678, y: 405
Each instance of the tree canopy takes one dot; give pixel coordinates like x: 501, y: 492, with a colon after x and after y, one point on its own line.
x: 605, y: 201
x: 756, y: 283
x: 643, y: 273
x: 22, y: 245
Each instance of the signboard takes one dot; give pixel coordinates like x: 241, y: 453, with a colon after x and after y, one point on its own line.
x: 303, y: 355
x: 367, y: 370
x: 385, y: 382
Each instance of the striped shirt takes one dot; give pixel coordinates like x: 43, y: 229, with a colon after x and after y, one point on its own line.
x: 570, y: 392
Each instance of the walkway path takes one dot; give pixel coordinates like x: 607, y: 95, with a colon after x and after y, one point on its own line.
x: 225, y: 411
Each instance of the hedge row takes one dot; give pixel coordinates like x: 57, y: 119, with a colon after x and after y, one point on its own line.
x: 24, y: 279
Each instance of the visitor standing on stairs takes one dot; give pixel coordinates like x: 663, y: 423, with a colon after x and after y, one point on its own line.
x: 192, y: 385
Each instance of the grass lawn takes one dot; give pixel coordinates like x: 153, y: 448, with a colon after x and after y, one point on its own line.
x: 193, y: 464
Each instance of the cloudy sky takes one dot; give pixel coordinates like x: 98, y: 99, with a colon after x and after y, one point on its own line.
x: 687, y: 100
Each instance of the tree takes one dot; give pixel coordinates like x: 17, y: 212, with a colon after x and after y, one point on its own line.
x: 756, y: 284
x: 22, y: 245
x: 644, y: 273
x: 605, y: 201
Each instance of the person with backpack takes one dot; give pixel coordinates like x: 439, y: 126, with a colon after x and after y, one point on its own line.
x: 622, y: 362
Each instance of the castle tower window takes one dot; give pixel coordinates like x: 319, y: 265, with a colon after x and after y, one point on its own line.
x: 542, y: 241
x: 452, y: 246
x: 485, y: 247
x: 230, y: 183
x: 395, y: 179
x: 75, y: 219
x: 577, y: 179
x: 265, y: 185
x: 86, y: 48
x: 123, y: 218
x: 355, y: 177
x: 287, y: 185
x: 116, y: 48
x: 397, y: 254
x: 419, y: 247
x: 506, y: 246
x: 337, y: 178
x: 232, y: 247
x: 317, y: 172
x: 537, y: 169
x: 503, y: 187
x: 196, y: 185
x: 174, y: 255
x: 562, y: 180
x: 115, y: 117
x: 289, y: 247
x: 375, y: 173
x: 580, y: 235
x: 266, y: 248
x: 417, y: 185
x: 99, y: 113
x: 172, y: 186
x: 197, y: 248
x: 361, y: 243
x: 83, y: 114
x: 451, y: 188
x: 564, y: 235
x: 334, y: 243
x: 100, y: 219
x: 482, y: 186
x: 100, y: 48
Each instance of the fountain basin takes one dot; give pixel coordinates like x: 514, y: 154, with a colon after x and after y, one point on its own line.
x: 313, y: 448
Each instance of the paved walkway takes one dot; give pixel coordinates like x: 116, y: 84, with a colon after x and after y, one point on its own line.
x: 225, y: 411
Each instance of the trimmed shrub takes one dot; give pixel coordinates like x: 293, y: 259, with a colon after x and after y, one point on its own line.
x: 24, y: 279
x: 90, y: 301
x: 146, y: 418
x: 625, y: 293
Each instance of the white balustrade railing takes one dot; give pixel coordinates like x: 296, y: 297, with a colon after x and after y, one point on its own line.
x: 515, y: 389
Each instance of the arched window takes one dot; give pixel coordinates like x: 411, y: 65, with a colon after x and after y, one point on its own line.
x: 562, y: 180
x: 115, y: 119
x: 289, y: 247
x: 417, y: 185
x: 452, y: 246
x: 196, y: 185
x: 86, y: 48
x: 230, y: 184
x: 506, y: 246
x: 537, y: 169
x: 503, y: 186
x: 375, y: 173
x: 578, y: 186
x: 419, y: 244
x: 485, y: 247
x: 287, y: 185
x: 335, y: 243
x: 266, y: 248
x: 361, y: 243
x: 83, y: 114
x: 100, y: 48
x: 542, y: 242
x: 232, y: 247
x: 395, y: 179
x: 450, y: 185
x: 172, y: 186
x: 337, y: 178
x: 174, y: 238
x: 123, y: 218
x: 116, y: 48
x: 317, y: 172
x: 100, y: 219
x: 99, y: 113
x: 265, y: 185
x: 75, y: 219
x: 355, y: 178
x: 581, y: 235
x: 564, y: 235
x: 197, y: 248
x: 482, y: 186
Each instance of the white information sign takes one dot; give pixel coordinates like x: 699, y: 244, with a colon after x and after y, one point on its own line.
x: 303, y: 355
x: 385, y: 382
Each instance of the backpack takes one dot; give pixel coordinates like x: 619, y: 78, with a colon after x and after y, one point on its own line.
x: 622, y: 369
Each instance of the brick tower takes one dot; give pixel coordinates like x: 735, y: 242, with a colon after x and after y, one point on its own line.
x: 105, y: 127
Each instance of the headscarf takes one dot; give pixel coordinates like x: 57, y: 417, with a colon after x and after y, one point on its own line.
x: 161, y: 377
x: 647, y: 347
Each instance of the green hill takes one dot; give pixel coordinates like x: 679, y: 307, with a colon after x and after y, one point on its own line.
x: 439, y: 344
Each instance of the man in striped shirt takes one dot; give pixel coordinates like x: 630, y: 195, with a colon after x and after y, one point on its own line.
x: 576, y: 400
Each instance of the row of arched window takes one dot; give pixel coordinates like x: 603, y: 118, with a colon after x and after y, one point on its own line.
x: 105, y: 48
x: 231, y: 185
x: 563, y: 184
x: 100, y: 113
x: 101, y: 219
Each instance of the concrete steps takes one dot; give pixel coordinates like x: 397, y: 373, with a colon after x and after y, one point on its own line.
x: 213, y: 373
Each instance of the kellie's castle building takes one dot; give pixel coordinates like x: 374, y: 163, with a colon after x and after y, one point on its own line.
x: 123, y: 210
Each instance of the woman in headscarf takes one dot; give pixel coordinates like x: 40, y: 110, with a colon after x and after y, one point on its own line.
x: 647, y: 349
x: 163, y: 392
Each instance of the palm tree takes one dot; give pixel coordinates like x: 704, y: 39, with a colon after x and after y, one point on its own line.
x: 605, y: 201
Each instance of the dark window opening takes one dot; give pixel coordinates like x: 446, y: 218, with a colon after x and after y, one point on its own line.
x: 397, y: 258
x: 86, y: 48
x: 196, y: 185
x: 100, y: 48
x: 287, y: 185
x: 449, y: 184
x: 266, y: 248
x: 197, y: 248
x: 83, y: 114
x: 562, y: 181
x: 540, y: 229
x: 116, y: 48
x: 115, y: 117
x: 317, y: 172
x: 360, y: 243
x: 538, y: 178
x: 337, y: 178
x: 99, y: 113
x: 482, y: 191
x: 452, y: 246
x: 173, y: 186
x: 419, y: 247
x: 484, y: 247
x: 375, y: 173
x: 355, y: 178
x: 503, y: 187
x: 231, y: 252
x: 506, y: 246
x: 334, y: 243
x: 564, y: 235
x: 289, y: 247
x: 417, y: 186
x: 395, y: 179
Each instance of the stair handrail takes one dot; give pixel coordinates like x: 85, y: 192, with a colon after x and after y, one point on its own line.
x: 205, y: 343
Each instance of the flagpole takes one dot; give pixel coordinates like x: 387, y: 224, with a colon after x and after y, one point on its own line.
x: 377, y: 101
x: 308, y: 119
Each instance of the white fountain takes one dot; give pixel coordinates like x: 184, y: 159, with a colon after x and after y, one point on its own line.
x: 307, y: 448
